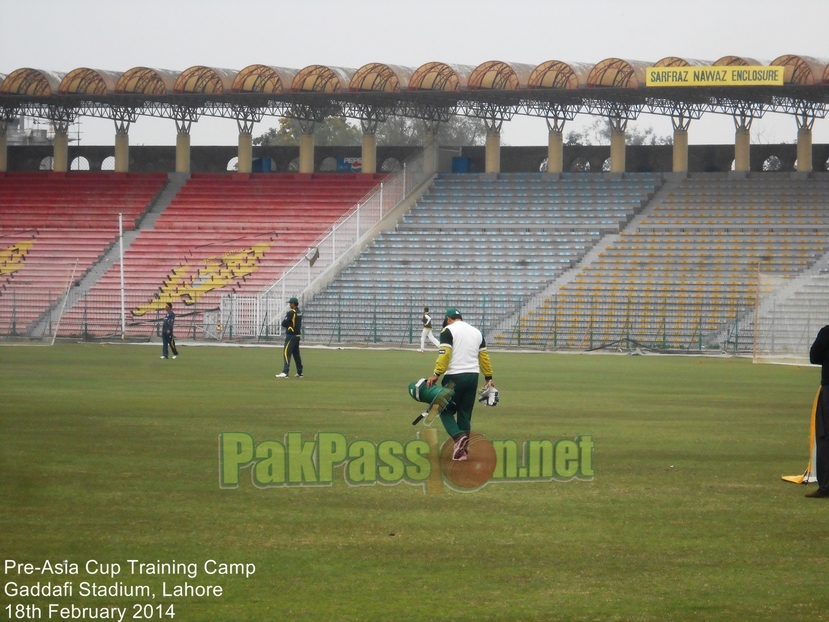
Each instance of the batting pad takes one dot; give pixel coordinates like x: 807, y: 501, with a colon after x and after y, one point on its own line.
x: 438, y: 397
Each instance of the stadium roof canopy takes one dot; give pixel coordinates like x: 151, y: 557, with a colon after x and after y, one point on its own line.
x: 494, y: 90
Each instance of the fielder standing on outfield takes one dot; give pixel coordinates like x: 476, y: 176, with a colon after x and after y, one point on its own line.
x: 293, y: 333
x: 427, y: 331
x: 462, y: 356
x: 819, y: 355
x: 167, y: 338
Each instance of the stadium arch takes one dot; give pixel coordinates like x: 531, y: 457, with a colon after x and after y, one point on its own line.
x: 84, y: 82
x: 376, y: 78
x: 493, y: 91
x: 262, y: 80
x: 803, y: 71
x: 28, y: 84
x: 622, y: 74
x: 317, y: 83
x: 434, y: 87
x: 569, y: 77
x: 496, y: 76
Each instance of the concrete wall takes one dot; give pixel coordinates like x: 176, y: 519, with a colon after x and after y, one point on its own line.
x: 202, y: 159
x: 640, y: 158
x: 701, y: 158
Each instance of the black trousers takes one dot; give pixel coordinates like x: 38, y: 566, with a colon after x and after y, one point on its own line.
x: 168, y: 340
x: 822, y: 440
x: 291, y: 349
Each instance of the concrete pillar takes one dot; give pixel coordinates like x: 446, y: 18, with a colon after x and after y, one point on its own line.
x: 369, y: 153
x: 493, y: 151
x: 680, y: 151
x: 430, y: 153
x: 306, y: 153
x: 4, y: 148
x: 617, y: 151
x: 122, y: 152
x: 555, y: 151
x: 742, y: 150
x: 804, y: 150
x: 245, y: 154
x: 183, y: 152
x: 61, y: 150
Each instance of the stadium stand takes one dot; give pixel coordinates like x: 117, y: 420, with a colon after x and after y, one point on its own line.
x: 690, y: 265
x: 54, y: 224
x: 221, y: 233
x: 578, y: 260
x: 483, y: 243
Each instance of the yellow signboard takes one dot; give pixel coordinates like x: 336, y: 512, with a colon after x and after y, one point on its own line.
x: 750, y: 75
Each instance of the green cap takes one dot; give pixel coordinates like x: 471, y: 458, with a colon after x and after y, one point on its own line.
x: 293, y: 300
x: 453, y: 313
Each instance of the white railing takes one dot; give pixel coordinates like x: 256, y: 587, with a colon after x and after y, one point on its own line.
x: 789, y: 316
x: 341, y: 237
x: 325, y: 253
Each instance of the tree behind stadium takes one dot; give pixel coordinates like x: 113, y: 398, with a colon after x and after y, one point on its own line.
x: 396, y: 131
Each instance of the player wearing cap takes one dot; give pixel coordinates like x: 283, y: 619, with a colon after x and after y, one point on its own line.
x: 462, y: 356
x: 293, y: 333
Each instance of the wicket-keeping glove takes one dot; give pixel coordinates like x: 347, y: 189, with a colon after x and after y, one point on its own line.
x: 489, y: 395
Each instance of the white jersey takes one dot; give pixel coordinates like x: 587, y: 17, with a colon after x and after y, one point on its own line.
x: 466, y: 342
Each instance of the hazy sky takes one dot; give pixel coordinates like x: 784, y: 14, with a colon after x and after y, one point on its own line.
x: 61, y: 35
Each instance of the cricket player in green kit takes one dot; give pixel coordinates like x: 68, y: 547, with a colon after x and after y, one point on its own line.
x: 293, y: 333
x: 462, y: 356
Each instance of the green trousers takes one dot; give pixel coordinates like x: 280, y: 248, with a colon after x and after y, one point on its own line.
x: 457, y: 417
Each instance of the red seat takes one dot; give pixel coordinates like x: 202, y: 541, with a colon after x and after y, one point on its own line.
x: 217, y: 214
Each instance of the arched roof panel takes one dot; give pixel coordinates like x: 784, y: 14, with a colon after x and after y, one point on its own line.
x: 205, y: 80
x: 146, y: 81
x: 378, y: 77
x: 556, y: 74
x: 736, y: 61
x: 676, y: 61
x: 321, y: 79
x: 801, y: 69
x: 86, y: 81
x: 32, y: 82
x: 618, y: 73
x: 496, y: 75
x: 263, y: 79
x: 437, y: 76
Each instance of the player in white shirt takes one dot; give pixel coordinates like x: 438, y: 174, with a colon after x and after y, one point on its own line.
x: 462, y: 356
x: 427, y: 331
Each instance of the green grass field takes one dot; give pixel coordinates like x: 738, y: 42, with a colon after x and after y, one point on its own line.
x: 109, y: 454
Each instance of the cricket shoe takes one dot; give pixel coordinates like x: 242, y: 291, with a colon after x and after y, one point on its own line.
x: 461, y: 451
x: 162, y: 357
x: 282, y: 375
x: 298, y: 376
